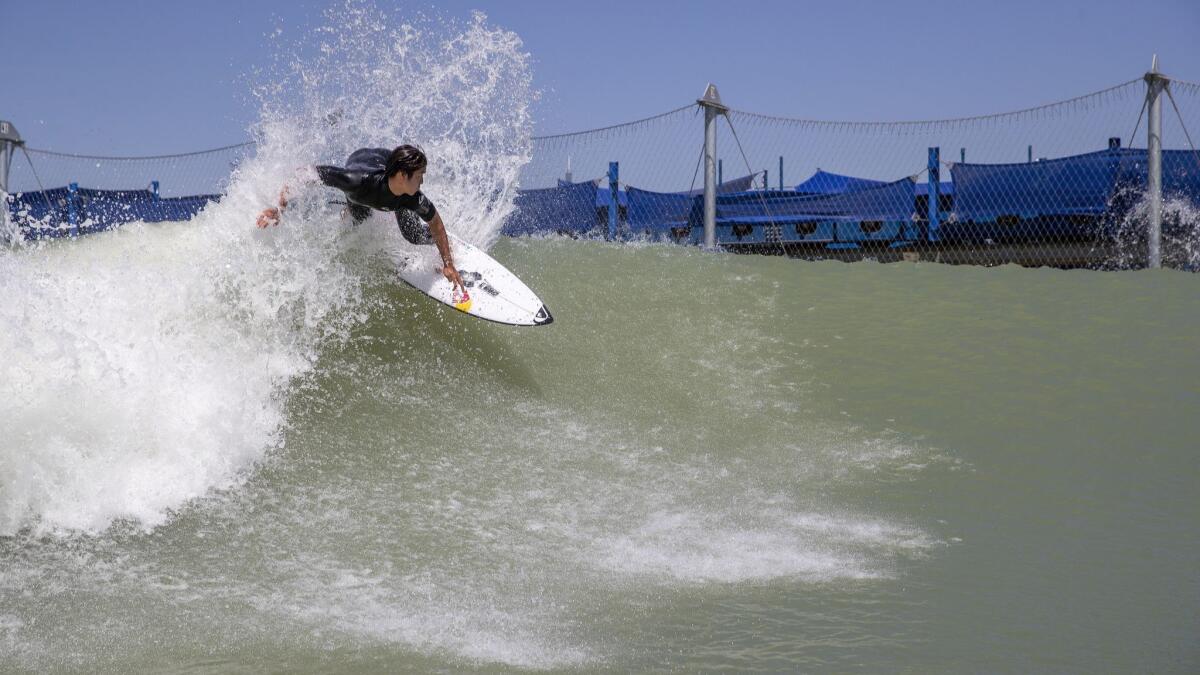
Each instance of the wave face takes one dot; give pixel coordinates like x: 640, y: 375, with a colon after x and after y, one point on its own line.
x: 808, y: 466
x: 150, y: 366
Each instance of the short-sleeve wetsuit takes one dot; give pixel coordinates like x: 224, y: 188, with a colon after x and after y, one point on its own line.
x: 364, y: 181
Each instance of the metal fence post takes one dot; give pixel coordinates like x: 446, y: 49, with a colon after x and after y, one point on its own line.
x: 614, y: 205
x: 9, y: 139
x: 781, y: 173
x: 73, y: 208
x: 1155, y: 84
x: 711, y: 102
x: 935, y: 193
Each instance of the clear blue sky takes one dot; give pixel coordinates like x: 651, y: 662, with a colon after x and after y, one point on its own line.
x: 131, y: 78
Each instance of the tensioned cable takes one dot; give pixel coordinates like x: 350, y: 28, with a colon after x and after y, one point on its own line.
x: 41, y: 188
x: 615, y: 126
x: 1138, y: 124
x: 1178, y: 114
x: 696, y: 173
x: 1182, y: 125
x: 761, y: 197
x: 250, y: 143
x: 175, y: 156
x: 954, y: 120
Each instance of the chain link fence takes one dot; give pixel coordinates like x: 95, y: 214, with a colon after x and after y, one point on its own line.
x: 1063, y: 184
x: 55, y: 194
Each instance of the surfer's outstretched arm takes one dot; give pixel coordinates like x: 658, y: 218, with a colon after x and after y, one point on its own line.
x: 438, y: 229
x: 271, y: 215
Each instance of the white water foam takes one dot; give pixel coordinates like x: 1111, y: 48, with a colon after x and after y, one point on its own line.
x: 1180, y: 233
x: 431, y: 611
x: 809, y: 547
x: 461, y: 92
x: 149, y: 366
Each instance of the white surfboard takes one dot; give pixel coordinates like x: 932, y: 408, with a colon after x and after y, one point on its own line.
x: 492, y: 292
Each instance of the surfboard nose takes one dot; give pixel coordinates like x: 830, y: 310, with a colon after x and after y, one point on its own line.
x: 543, y: 317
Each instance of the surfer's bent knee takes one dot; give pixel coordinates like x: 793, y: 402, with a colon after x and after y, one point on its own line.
x: 414, y: 230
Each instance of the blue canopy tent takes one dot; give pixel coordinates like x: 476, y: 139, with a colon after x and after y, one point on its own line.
x: 826, y: 183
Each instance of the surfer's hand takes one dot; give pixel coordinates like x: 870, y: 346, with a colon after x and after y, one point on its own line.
x: 268, y: 217
x: 451, y: 275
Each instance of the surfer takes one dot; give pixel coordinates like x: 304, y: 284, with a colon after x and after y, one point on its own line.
x: 376, y: 178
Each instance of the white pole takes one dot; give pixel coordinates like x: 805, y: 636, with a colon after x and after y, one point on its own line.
x: 5, y: 158
x: 711, y: 101
x: 1155, y: 84
x: 9, y: 139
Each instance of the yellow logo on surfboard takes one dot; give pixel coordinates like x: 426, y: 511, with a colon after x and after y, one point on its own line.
x: 461, y: 300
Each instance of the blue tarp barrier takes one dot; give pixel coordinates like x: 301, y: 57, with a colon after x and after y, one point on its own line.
x: 570, y: 209
x: 659, y: 215
x: 1180, y: 174
x: 944, y: 188
x: 1077, y: 197
x: 579, y: 208
x: 603, y: 198
x: 1080, y: 184
x: 58, y: 212
x: 175, y: 208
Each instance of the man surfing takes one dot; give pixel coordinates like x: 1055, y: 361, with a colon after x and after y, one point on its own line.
x: 375, y: 178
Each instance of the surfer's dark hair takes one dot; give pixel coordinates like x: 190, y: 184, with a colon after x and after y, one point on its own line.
x: 407, y: 158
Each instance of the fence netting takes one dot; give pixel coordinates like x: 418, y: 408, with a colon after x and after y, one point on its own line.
x: 1061, y: 184
x: 55, y: 194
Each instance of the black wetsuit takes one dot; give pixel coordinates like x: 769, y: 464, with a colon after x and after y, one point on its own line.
x: 364, y: 181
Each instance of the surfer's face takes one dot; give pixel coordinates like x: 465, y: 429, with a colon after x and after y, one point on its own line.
x: 402, y: 184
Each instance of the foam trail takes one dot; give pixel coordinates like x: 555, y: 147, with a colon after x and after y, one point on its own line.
x: 149, y: 366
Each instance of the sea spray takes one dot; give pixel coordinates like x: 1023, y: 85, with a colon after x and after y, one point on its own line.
x: 1180, y: 232
x: 149, y: 366
x: 370, y: 78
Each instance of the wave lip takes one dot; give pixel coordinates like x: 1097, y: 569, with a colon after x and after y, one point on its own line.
x: 125, y: 393
x: 152, y: 365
